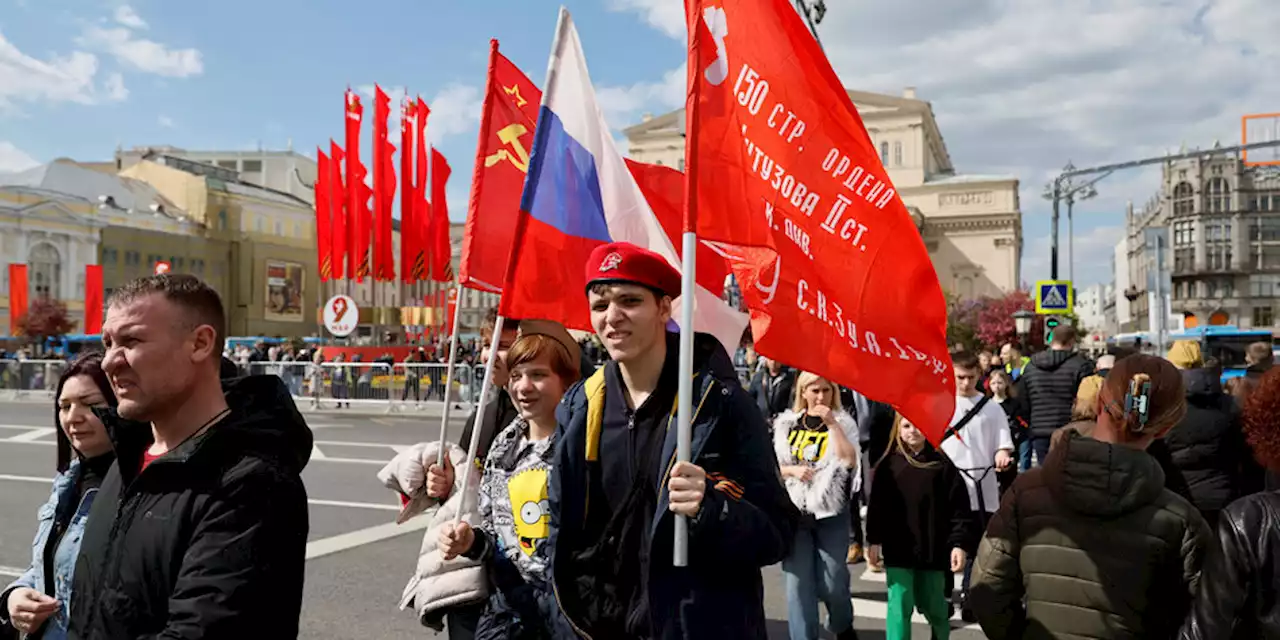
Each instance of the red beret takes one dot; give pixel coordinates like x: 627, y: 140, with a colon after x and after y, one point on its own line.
x: 623, y: 262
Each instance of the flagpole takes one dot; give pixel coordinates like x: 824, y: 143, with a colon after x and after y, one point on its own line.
x: 684, y: 397
x: 448, y: 387
x: 494, y: 342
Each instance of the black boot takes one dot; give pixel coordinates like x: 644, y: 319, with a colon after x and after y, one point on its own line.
x: 847, y: 634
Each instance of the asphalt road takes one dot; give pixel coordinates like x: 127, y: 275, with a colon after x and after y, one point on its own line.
x: 358, y: 560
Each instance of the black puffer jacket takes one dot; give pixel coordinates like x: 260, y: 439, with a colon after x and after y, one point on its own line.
x: 1090, y: 545
x: 1208, y: 447
x: 209, y: 540
x: 1049, y: 384
x: 1237, y: 597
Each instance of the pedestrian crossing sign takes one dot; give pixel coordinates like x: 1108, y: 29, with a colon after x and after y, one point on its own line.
x: 1054, y: 297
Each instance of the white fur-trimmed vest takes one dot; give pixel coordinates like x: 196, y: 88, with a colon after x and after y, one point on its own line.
x: 833, y: 481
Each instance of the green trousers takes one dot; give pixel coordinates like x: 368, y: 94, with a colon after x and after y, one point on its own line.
x: 911, y: 589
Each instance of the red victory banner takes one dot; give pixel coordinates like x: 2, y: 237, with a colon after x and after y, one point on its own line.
x: 829, y: 261
x: 507, y: 122
x: 93, y: 299
x: 384, y: 189
x: 422, y: 208
x: 441, y: 250
x: 324, y: 219
x: 408, y: 190
x: 338, y: 222
x: 359, y: 218
x: 18, y: 291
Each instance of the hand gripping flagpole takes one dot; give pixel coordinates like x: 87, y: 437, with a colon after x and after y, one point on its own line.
x: 448, y: 378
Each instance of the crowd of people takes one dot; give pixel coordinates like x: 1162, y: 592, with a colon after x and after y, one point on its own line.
x: 1131, y: 496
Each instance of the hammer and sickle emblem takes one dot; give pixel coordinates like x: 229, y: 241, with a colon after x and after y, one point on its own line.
x: 514, y: 90
x: 518, y: 156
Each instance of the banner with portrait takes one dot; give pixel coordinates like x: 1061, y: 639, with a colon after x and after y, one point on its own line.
x: 283, y: 302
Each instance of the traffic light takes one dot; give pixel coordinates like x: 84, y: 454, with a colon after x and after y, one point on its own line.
x: 1051, y: 323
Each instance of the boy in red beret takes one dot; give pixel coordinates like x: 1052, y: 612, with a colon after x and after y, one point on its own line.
x: 615, y: 485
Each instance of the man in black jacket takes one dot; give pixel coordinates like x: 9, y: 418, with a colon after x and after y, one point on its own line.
x: 772, y: 388
x: 200, y: 528
x: 1049, y: 383
x: 616, y: 486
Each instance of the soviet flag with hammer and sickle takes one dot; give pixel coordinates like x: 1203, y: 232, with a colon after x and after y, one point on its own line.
x: 502, y: 159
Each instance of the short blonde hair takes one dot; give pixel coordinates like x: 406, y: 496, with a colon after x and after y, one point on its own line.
x: 806, y: 378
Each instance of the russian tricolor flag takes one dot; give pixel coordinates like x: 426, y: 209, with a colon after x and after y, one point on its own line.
x: 579, y: 194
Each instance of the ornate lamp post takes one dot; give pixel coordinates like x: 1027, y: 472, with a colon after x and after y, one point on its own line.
x: 1022, y: 320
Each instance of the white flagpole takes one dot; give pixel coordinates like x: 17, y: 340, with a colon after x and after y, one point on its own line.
x: 548, y: 86
x: 684, y: 402
x: 448, y: 384
x: 494, y: 342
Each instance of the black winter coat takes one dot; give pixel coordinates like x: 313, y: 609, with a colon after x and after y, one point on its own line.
x: 1208, y: 447
x: 1049, y: 385
x: 1089, y: 545
x: 1237, y: 598
x: 209, y: 540
x: 919, y: 514
x: 773, y: 396
x: 747, y: 521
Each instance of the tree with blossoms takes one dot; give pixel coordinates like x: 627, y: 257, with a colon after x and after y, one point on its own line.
x: 995, y: 325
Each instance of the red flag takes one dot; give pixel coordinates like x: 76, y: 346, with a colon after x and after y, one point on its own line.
x: 324, y: 225
x: 438, y: 239
x: 384, y: 188
x: 339, y: 220
x: 93, y: 299
x: 17, y: 297
x: 502, y: 160
x: 422, y: 212
x: 835, y: 274
x: 408, y: 189
x: 663, y: 189
x: 358, y: 215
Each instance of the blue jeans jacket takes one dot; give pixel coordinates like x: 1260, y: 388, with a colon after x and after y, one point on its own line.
x: 62, y: 498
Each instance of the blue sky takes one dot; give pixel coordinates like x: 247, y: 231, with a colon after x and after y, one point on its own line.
x: 1012, y: 92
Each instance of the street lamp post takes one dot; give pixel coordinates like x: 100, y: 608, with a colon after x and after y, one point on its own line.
x: 1064, y: 187
x: 1022, y: 320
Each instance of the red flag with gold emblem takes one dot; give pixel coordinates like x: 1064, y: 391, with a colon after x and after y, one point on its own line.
x: 360, y: 218
x: 324, y: 219
x: 829, y: 260
x: 441, y: 250
x: 338, y: 222
x: 408, y: 190
x: 384, y: 189
x: 422, y: 208
x: 502, y: 159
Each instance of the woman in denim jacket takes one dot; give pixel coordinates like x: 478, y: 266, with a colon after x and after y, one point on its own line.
x: 37, y: 603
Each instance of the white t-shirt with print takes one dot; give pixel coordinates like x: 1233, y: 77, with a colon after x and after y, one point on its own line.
x: 975, y: 446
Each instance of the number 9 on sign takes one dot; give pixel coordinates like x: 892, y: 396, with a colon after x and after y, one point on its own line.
x: 341, y: 315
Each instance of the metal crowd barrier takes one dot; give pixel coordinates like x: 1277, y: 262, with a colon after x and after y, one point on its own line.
x: 423, y: 382
x: 404, y: 386
x: 21, y: 379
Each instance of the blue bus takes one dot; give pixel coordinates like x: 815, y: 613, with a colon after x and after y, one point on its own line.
x: 1226, y: 344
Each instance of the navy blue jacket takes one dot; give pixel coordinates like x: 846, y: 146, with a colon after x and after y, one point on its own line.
x: 746, y: 521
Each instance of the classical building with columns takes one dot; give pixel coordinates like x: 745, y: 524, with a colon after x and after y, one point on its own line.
x: 971, y: 224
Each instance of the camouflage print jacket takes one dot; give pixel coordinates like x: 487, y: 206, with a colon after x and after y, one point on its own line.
x: 514, y: 515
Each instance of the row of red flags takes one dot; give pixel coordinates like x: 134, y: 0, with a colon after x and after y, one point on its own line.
x: 353, y: 240
x: 784, y: 181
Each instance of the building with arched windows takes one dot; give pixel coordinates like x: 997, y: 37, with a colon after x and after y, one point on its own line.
x: 971, y: 224
x: 1221, y: 222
